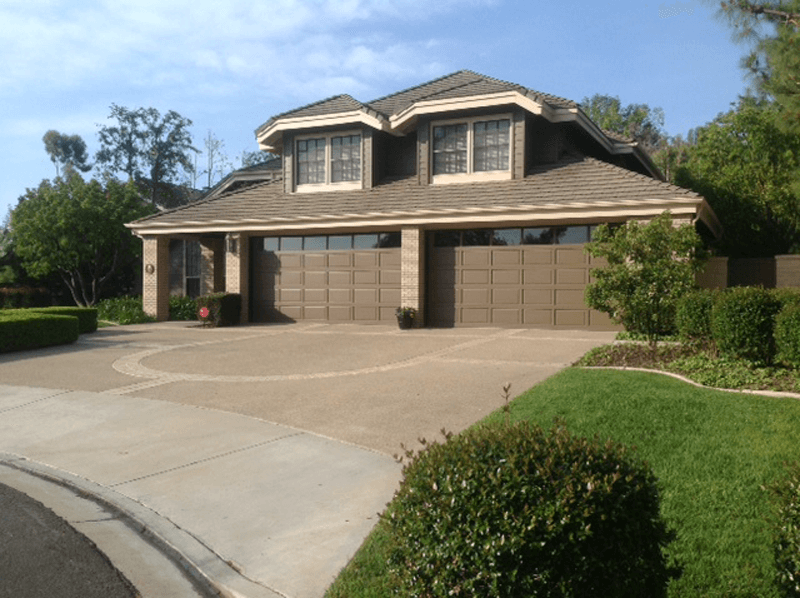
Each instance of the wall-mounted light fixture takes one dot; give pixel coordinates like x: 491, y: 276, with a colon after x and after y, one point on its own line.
x: 232, y: 245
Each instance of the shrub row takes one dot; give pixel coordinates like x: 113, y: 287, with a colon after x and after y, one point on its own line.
x: 16, y: 297
x: 28, y: 329
x: 223, y: 309
x: 750, y: 323
x: 512, y: 510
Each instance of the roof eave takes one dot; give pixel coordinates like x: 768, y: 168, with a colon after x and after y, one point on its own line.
x: 270, y: 137
x: 430, y: 218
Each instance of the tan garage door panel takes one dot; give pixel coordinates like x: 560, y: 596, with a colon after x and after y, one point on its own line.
x: 524, y: 285
x: 337, y: 286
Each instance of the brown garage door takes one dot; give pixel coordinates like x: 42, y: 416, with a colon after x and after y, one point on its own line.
x: 340, y: 285
x: 521, y: 285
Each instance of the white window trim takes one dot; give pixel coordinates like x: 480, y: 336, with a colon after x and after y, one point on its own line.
x: 328, y: 185
x: 470, y: 176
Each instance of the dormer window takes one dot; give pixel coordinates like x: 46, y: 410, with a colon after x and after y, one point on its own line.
x: 472, y: 149
x: 327, y: 161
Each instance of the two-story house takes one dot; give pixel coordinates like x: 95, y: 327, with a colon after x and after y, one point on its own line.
x: 467, y: 198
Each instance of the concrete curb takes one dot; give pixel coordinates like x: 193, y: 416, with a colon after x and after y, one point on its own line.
x: 216, y: 576
x: 766, y: 393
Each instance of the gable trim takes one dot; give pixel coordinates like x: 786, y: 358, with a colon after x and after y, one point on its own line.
x: 270, y: 138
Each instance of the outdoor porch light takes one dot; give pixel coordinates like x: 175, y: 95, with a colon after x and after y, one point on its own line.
x: 232, y: 244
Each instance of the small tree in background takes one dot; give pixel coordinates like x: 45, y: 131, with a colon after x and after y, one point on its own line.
x: 649, y: 267
x: 77, y: 229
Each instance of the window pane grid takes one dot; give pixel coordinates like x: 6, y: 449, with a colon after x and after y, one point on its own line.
x: 450, y: 149
x: 491, y: 145
x: 345, y: 158
x: 311, y: 161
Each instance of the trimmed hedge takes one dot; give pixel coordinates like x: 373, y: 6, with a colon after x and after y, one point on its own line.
x: 16, y: 297
x: 224, y: 309
x: 511, y: 510
x: 693, y: 315
x: 786, y: 543
x: 87, y: 316
x: 24, y: 329
x: 787, y: 335
x: 743, y: 321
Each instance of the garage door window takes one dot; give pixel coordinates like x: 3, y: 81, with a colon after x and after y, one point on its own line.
x: 389, y: 240
x: 484, y: 237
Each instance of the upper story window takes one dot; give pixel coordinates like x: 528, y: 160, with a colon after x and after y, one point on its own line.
x: 472, y: 149
x: 333, y: 159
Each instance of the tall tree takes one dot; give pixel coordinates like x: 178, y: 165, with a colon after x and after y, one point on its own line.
x: 773, y: 27
x: 748, y: 168
x: 217, y: 163
x: 635, y: 121
x: 150, y: 148
x: 77, y: 229
x: 67, y: 151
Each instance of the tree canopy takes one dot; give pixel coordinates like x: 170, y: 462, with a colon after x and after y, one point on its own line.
x: 76, y: 228
x: 148, y: 147
x: 773, y: 27
x: 748, y: 168
x: 638, y: 122
x: 67, y: 151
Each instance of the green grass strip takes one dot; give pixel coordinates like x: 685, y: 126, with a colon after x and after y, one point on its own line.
x: 712, y: 452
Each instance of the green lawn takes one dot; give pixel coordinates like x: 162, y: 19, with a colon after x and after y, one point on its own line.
x: 712, y: 452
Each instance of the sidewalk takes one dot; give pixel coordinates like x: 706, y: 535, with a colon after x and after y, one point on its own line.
x: 257, y: 508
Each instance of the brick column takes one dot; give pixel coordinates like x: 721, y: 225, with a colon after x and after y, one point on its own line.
x: 787, y: 271
x: 212, y: 266
x: 237, y: 269
x: 412, y: 272
x: 155, y: 277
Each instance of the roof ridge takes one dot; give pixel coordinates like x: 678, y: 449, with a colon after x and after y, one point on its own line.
x: 407, y: 89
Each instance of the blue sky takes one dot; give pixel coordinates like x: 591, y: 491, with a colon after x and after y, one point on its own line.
x: 229, y: 66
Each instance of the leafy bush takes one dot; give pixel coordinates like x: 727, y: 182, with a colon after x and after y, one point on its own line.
x: 649, y: 268
x: 786, y: 544
x: 123, y: 310
x: 16, y: 297
x: 87, y: 316
x: 223, y: 309
x: 787, y: 296
x: 742, y: 322
x: 510, y: 510
x: 182, y: 308
x: 23, y: 329
x: 787, y: 335
x: 693, y: 315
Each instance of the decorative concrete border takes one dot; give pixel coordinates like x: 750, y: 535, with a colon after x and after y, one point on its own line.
x: 767, y: 393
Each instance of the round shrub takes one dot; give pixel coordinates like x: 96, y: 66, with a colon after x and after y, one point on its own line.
x: 512, y: 510
x: 693, y: 315
x: 742, y: 323
x: 787, y: 335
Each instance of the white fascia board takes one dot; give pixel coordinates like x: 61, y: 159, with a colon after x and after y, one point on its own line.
x: 681, y: 206
x: 426, y: 107
x: 266, y: 139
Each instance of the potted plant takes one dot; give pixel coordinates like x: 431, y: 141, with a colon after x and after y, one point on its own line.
x: 406, y: 317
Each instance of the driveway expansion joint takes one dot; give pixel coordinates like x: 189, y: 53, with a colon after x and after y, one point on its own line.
x: 28, y: 403
x: 206, y: 460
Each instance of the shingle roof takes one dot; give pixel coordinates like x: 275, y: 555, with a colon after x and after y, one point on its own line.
x: 458, y: 84
x: 584, y: 181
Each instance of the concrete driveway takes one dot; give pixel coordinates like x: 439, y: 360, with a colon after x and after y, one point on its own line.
x: 150, y: 419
